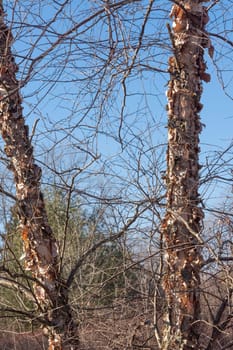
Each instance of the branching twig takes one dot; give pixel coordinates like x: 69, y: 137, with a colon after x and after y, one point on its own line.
x: 112, y: 238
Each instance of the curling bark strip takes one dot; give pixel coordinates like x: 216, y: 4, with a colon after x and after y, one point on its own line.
x: 40, y: 247
x: 182, y: 224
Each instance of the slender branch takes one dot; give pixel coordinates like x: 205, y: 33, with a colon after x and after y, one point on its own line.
x: 29, y: 315
x: 220, y: 258
x: 12, y: 284
x: 8, y: 194
x: 193, y: 233
x: 129, y: 69
x: 212, y: 5
x: 63, y: 36
x: 34, y: 129
x: 67, y: 218
x: 227, y: 346
x: 217, y: 330
x: 222, y: 38
x: 22, y: 275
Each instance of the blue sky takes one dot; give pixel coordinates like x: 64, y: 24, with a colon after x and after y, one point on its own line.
x: 217, y: 115
x: 65, y: 104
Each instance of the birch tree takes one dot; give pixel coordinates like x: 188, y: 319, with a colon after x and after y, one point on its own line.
x: 183, y: 220
x: 39, y: 243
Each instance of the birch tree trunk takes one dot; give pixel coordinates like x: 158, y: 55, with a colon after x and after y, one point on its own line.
x: 182, y: 224
x: 40, y: 248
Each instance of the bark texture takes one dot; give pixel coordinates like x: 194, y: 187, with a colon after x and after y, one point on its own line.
x: 40, y: 247
x: 182, y: 224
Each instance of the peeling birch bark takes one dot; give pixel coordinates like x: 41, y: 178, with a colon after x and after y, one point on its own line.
x: 182, y: 224
x: 40, y: 247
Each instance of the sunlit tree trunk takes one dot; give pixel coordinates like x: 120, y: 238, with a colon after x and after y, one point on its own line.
x: 40, y: 248
x: 183, y: 220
